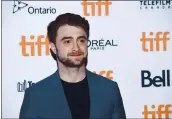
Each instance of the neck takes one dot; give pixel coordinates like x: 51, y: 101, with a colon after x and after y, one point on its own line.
x: 70, y: 74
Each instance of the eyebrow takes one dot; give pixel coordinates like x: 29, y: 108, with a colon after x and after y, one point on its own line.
x: 66, y: 37
x: 70, y: 37
x: 81, y: 37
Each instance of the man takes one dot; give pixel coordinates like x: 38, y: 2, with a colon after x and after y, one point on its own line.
x: 72, y: 92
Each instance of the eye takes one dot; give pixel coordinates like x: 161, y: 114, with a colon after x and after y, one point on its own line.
x: 67, y: 41
x: 82, y: 40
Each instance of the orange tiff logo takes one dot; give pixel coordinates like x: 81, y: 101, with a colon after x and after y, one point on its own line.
x: 93, y: 5
x: 159, y: 112
x: 34, y: 43
x: 108, y: 74
x: 154, y: 41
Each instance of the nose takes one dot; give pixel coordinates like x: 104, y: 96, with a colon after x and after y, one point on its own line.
x: 75, y: 46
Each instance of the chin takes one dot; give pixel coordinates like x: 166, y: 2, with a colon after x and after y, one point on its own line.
x: 76, y: 63
x: 76, y: 59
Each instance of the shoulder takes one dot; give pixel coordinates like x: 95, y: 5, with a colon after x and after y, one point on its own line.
x: 43, y: 84
x: 105, y: 87
x: 102, y: 81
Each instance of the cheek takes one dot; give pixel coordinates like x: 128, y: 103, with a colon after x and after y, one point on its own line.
x: 84, y: 50
x: 83, y: 47
x: 62, y: 52
x: 61, y: 49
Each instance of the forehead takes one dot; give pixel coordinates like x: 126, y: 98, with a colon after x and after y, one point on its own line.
x: 73, y: 31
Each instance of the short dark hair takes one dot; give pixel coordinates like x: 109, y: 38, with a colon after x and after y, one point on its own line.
x: 66, y: 19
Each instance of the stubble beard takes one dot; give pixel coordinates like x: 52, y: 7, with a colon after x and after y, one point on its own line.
x: 70, y: 63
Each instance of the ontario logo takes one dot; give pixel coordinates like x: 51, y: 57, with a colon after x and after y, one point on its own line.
x: 19, y: 5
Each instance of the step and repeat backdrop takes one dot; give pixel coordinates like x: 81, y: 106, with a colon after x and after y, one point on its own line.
x: 130, y: 43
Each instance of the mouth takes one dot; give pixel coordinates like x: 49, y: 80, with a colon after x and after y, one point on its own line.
x: 76, y: 54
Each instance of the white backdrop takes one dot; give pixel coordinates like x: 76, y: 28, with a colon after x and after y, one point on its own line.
x: 123, y: 26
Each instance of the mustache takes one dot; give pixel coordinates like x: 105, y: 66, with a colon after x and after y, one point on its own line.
x: 76, y: 53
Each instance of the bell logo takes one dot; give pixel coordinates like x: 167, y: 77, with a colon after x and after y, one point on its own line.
x: 154, y: 43
x: 108, y: 74
x: 93, y: 4
x: 158, y: 112
x: 157, y: 81
x: 35, y: 42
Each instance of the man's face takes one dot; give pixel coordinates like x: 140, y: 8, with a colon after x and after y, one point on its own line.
x: 71, y: 46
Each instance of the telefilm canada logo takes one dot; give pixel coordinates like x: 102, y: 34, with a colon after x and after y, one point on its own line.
x: 101, y: 44
x: 155, y: 4
x: 19, y: 5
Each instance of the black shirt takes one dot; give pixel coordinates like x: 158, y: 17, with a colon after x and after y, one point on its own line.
x: 77, y: 95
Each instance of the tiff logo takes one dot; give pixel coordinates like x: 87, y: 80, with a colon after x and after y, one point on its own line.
x: 158, y: 81
x: 159, y: 112
x: 107, y: 73
x: 34, y: 43
x: 154, y: 41
x: 93, y: 4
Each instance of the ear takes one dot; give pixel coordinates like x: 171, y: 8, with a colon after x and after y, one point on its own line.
x: 53, y: 47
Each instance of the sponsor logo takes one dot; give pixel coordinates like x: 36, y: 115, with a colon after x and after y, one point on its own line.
x: 157, y: 112
x: 155, y: 40
x: 106, y: 73
x: 158, y: 81
x: 101, y: 44
x: 18, y: 5
x: 96, y: 6
x: 155, y: 4
x: 22, y: 86
x: 34, y: 45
